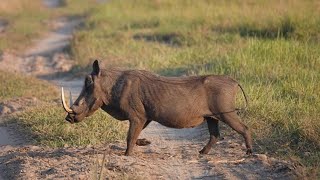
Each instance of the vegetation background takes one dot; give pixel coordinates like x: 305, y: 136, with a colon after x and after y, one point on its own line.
x: 271, y: 47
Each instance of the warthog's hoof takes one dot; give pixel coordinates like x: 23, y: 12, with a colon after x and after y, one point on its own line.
x: 204, y: 151
x: 249, y: 152
x: 143, y: 142
x: 127, y: 153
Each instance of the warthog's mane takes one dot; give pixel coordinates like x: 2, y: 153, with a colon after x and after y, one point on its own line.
x: 143, y: 74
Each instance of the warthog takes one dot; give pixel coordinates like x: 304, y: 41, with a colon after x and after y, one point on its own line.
x: 177, y: 102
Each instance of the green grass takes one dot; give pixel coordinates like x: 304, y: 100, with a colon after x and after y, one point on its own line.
x: 271, y: 47
x: 17, y: 86
x: 116, y: 34
x: 48, y: 127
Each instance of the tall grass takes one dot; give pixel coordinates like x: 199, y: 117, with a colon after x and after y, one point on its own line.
x: 114, y: 30
x: 271, y: 47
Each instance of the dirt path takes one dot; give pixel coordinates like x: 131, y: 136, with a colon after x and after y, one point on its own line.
x: 173, y: 153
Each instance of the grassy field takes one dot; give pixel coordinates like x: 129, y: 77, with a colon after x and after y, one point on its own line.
x: 272, y: 48
x: 26, y: 20
x: 18, y: 86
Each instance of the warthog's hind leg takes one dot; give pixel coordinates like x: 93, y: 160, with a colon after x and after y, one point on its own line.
x: 233, y: 120
x: 213, y: 126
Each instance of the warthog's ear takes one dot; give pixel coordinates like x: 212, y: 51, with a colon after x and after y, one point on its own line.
x: 96, y: 68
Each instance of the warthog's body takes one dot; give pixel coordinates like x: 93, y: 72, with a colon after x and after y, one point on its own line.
x: 177, y: 102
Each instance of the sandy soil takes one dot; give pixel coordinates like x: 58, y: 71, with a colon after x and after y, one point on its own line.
x: 173, y: 154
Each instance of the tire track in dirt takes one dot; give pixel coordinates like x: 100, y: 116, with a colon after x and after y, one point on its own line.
x: 173, y: 153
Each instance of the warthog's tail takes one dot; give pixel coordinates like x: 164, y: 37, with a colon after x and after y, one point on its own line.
x: 245, y: 97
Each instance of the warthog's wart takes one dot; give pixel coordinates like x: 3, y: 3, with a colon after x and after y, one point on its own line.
x: 177, y: 102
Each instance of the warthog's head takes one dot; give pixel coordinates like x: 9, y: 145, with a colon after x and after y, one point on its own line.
x: 90, y: 99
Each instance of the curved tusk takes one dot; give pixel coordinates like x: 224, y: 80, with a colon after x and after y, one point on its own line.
x: 65, y: 107
x: 71, y: 101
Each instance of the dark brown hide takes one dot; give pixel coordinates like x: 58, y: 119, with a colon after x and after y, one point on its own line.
x: 178, y: 102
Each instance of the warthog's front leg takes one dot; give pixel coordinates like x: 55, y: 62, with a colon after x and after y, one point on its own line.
x: 135, y: 128
x: 143, y: 142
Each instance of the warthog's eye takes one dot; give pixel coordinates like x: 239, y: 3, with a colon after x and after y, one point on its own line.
x: 88, y: 81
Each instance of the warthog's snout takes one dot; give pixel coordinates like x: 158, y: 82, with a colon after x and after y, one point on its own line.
x: 75, y: 118
x: 75, y: 114
x: 70, y: 118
